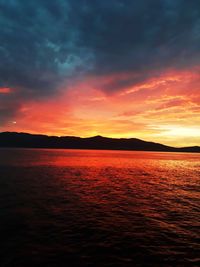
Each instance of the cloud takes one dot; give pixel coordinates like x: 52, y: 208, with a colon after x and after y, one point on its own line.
x: 45, y: 44
x: 5, y: 90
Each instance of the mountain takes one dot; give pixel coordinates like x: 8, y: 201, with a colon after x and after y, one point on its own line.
x: 12, y: 139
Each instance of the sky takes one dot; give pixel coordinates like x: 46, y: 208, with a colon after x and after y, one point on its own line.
x: 117, y: 68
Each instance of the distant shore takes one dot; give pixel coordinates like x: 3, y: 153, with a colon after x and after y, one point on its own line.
x: 26, y: 140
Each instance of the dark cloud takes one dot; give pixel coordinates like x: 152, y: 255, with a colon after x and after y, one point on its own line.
x: 9, y: 105
x: 43, y: 42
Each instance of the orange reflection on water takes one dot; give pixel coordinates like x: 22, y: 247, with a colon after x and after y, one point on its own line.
x: 126, y: 200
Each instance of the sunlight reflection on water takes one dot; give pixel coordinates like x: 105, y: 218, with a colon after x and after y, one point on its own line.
x: 99, y: 208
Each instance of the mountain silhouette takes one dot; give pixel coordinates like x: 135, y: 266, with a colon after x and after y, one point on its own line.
x: 26, y: 140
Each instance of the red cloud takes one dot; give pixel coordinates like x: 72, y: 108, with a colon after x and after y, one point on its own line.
x: 5, y: 90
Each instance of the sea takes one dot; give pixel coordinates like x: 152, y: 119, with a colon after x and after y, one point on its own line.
x: 99, y: 208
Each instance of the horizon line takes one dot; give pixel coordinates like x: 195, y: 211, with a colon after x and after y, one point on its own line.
x: 98, y: 135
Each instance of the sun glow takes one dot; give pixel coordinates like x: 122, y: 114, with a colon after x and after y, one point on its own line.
x: 163, y: 109
x: 180, y: 131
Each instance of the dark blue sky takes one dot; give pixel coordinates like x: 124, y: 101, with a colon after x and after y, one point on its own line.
x: 44, y: 41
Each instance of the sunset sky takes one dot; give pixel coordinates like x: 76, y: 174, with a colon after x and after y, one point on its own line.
x: 117, y: 68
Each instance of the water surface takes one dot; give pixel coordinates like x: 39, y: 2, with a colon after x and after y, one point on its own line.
x: 99, y: 208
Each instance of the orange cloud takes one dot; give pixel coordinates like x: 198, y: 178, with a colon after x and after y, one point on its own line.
x: 164, y: 108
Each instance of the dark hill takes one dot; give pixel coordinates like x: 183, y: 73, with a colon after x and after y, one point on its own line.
x: 11, y: 139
